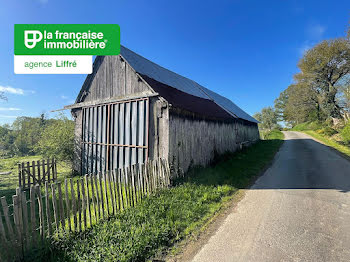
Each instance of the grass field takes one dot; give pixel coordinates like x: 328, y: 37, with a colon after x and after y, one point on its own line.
x: 171, y: 215
x: 8, y: 183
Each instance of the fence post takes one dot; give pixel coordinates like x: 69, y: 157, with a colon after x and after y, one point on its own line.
x: 7, y: 218
x: 17, y: 221
x: 67, y: 204
x: 19, y: 175
x: 48, y: 212
x: 25, y: 219
x: 73, y: 204
x: 54, y: 204
x: 88, y: 197
x: 41, y: 212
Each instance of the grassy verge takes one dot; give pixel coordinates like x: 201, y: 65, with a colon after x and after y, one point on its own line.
x: 169, y: 216
x: 329, y: 142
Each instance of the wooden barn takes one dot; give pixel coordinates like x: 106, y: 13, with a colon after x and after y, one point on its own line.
x: 131, y: 109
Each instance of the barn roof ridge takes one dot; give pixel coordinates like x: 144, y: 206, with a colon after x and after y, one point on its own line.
x: 163, y: 75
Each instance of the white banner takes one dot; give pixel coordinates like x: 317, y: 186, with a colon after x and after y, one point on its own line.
x: 53, y: 64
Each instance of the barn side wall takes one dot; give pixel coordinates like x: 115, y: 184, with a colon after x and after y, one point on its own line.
x: 194, y: 142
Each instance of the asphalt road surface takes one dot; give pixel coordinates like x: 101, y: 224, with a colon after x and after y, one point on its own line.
x: 299, y: 210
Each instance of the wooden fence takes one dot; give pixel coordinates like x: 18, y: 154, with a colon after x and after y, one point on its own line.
x: 36, y: 172
x: 75, y: 205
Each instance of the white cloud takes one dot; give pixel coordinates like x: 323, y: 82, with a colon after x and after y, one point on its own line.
x: 11, y: 90
x: 64, y: 97
x: 315, y: 31
x: 10, y: 109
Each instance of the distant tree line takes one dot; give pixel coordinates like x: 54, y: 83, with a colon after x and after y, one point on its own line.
x: 38, y: 135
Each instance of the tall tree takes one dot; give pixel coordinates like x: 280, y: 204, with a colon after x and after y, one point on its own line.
x: 322, y: 68
x: 268, y: 118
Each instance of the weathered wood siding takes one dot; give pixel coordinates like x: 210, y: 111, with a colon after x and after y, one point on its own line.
x: 194, y: 142
x: 113, y: 77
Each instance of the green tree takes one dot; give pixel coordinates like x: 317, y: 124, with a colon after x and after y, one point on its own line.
x: 268, y: 118
x: 57, y: 139
x: 322, y: 69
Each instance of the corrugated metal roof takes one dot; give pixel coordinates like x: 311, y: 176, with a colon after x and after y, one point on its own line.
x: 146, y: 67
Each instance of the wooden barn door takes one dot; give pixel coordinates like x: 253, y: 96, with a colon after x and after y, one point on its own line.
x: 115, y: 135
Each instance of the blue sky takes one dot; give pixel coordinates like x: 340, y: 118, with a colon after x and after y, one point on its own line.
x: 244, y: 50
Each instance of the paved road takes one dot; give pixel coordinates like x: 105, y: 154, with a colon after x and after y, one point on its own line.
x: 299, y: 210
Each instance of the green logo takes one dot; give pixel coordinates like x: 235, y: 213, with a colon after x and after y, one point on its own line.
x: 67, y: 39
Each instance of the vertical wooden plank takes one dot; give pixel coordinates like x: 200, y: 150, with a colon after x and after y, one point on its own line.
x: 109, y: 178
x: 3, y: 238
x: 83, y: 198
x: 43, y: 169
x: 48, y: 211
x: 35, y: 179
x: 20, y: 212
x: 106, y: 191
x: 67, y: 204
x: 23, y: 176
x: 16, y: 218
x: 28, y: 173
x: 127, y: 133
x: 121, y: 133
x: 38, y: 169
x: 49, y: 178
x: 120, y: 183
x: 20, y: 175
x: 5, y: 209
x: 133, y: 132
x: 61, y: 208
x: 141, y: 130
x: 88, y: 197
x: 93, y: 197
x: 116, y: 190
x: 25, y: 219
x: 54, y: 171
x: 54, y: 205
x: 74, y: 206
x: 101, y: 191
x: 32, y: 215
x: 124, y: 187
x: 78, y: 205
x: 41, y: 212
x: 97, y: 197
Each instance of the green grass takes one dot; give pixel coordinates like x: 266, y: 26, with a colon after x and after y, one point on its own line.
x: 329, y: 142
x: 171, y: 215
x: 8, y: 183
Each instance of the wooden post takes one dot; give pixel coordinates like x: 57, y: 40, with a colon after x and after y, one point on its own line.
x: 120, y: 185
x: 42, y: 164
x: 17, y: 221
x: 33, y: 172
x: 109, y: 174
x: 23, y: 175
x: 93, y: 197
x: 54, y: 204
x: 74, y: 210
x: 3, y: 238
x: 79, y: 206
x: 19, y: 175
x: 106, y: 191
x: 41, y: 212
x: 61, y: 208
x: 83, y: 201
x: 25, y: 219
x: 88, y: 197
x: 97, y: 198
x: 48, y: 212
x: 101, y: 190
x: 116, y: 191
x: 67, y: 204
x: 7, y: 219
x: 48, y: 169
x: 38, y: 166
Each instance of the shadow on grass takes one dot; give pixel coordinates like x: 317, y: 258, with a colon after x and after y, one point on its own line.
x: 238, y: 169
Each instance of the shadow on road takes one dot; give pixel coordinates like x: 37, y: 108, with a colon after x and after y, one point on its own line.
x: 299, y: 164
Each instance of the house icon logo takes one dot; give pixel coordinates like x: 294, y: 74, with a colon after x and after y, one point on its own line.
x: 31, y: 37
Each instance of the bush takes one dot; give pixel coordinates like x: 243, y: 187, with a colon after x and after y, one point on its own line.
x: 345, y: 133
x: 328, y: 131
